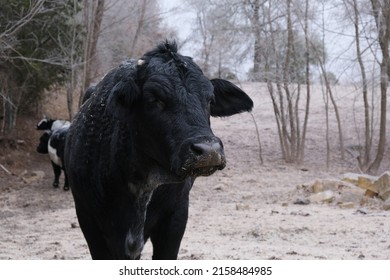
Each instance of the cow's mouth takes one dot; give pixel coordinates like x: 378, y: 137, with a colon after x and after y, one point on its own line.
x: 204, y: 166
x: 205, y: 171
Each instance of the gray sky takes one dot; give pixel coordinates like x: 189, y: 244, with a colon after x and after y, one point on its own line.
x: 338, y: 38
x: 182, y: 20
x: 177, y: 17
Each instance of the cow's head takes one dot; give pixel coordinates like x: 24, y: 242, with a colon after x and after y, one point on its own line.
x: 172, y: 102
x: 43, y: 143
x: 45, y: 124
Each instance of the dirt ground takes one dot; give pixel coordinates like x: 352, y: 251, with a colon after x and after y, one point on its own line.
x: 246, y: 211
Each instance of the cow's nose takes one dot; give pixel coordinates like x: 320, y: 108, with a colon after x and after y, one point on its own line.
x: 208, y: 154
x: 201, y: 156
x: 205, y: 149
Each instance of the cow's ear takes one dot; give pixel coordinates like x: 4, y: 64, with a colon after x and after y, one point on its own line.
x: 229, y: 99
x: 122, y: 98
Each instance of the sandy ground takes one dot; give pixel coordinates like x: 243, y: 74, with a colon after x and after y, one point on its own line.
x: 246, y: 211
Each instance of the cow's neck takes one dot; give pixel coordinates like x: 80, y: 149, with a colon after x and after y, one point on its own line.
x: 148, y: 180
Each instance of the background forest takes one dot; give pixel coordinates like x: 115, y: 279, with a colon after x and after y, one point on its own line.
x: 289, y: 46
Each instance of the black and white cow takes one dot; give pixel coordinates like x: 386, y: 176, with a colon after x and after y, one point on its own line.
x: 136, y: 146
x: 53, y: 143
x: 52, y: 125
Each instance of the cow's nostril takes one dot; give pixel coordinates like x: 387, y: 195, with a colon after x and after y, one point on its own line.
x: 200, y: 148
x: 203, y: 149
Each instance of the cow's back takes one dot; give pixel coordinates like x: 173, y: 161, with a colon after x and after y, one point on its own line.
x: 96, y: 149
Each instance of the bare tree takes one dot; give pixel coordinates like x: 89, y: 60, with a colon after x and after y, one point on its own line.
x: 203, y: 32
x: 93, y: 12
x: 330, y: 95
x: 141, y: 12
x: 287, y: 72
x: 74, y: 63
x: 253, y: 10
x: 367, y: 147
x: 221, y: 35
x: 377, y: 34
x: 128, y: 29
x: 301, y: 147
x: 381, y: 13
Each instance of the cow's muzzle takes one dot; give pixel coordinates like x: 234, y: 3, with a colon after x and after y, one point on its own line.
x: 133, y: 247
x: 203, y: 156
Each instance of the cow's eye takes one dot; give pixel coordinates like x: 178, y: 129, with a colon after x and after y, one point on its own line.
x: 155, y: 100
x: 160, y: 103
x: 208, y: 106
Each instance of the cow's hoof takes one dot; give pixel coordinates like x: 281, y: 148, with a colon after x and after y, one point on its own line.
x: 66, y: 188
x: 55, y: 184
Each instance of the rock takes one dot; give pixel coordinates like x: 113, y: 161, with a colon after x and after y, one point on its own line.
x: 361, y: 211
x: 39, y: 173
x: 351, y: 194
x: 346, y: 205
x: 36, y: 176
x: 373, y: 185
x: 302, y: 201
x: 361, y: 180
x: 325, y: 196
x: 370, y: 193
x: 383, y: 185
x: 242, y: 206
x: 326, y: 184
x: 300, y: 213
x: 58, y: 255
x: 386, y: 205
x: 366, y: 182
x: 317, y: 187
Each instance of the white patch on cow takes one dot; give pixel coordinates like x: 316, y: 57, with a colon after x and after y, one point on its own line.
x: 41, y: 122
x: 59, y: 124
x: 53, y: 155
x: 140, y: 62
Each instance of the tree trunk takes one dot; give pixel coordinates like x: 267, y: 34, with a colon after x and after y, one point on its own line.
x: 286, y: 78
x: 383, y: 26
x: 93, y: 26
x: 301, y: 148
x: 257, y: 34
x: 367, y: 146
x: 140, y: 25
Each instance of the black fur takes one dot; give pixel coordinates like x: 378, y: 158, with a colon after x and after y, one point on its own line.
x: 88, y: 93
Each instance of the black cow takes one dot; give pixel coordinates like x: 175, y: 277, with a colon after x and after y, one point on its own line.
x: 53, y: 143
x: 145, y: 128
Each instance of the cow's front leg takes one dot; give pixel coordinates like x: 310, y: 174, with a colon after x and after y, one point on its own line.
x: 167, y: 236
